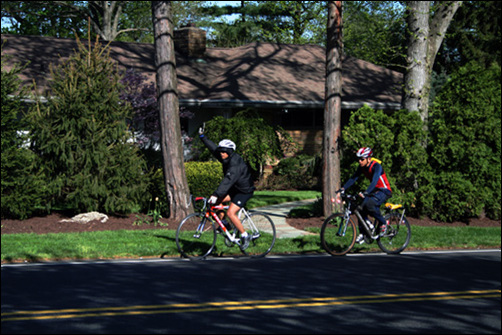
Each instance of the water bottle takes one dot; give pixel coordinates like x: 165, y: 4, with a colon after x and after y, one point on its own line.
x: 370, y: 225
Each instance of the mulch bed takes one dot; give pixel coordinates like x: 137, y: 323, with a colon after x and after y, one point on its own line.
x: 52, y: 224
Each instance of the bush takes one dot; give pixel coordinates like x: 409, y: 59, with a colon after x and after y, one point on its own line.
x: 451, y: 172
x: 257, y: 142
x: 301, y: 172
x: 397, y: 140
x: 81, y: 137
x: 203, y: 177
x: 465, y: 145
x: 24, y: 187
x: 23, y: 184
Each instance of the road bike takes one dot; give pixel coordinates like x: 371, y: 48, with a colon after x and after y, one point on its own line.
x: 339, y: 230
x: 197, y: 233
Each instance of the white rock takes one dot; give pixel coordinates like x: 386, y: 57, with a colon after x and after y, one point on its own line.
x: 86, y: 217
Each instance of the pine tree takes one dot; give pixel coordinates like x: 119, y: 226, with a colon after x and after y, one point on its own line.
x: 23, y: 184
x: 82, y: 136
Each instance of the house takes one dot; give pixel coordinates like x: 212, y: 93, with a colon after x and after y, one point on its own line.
x: 283, y: 82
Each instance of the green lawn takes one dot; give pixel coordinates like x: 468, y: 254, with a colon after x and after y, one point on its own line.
x: 161, y: 242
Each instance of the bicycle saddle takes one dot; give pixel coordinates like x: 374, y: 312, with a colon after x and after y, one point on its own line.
x: 393, y: 206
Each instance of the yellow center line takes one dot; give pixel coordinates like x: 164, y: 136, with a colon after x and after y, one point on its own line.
x: 243, y: 305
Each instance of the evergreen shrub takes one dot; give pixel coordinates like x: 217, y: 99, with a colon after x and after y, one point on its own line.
x: 449, y: 170
x: 257, y: 142
x: 203, y: 177
x: 297, y: 172
x: 23, y: 183
x: 465, y: 144
x: 82, y: 137
x: 397, y: 139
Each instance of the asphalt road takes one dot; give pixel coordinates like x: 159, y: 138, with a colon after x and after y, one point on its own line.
x: 443, y: 292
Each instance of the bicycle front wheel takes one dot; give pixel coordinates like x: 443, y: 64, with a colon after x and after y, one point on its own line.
x: 196, y: 236
x: 397, y: 236
x: 262, y: 231
x: 338, y: 235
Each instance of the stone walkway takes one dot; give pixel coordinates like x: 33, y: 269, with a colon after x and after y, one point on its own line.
x: 278, y: 214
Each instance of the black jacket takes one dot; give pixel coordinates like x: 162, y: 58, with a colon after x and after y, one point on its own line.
x: 235, y: 170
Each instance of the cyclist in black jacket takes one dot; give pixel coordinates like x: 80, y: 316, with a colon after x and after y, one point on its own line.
x: 237, y: 184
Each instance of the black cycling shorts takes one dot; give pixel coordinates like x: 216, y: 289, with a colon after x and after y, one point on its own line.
x: 240, y: 199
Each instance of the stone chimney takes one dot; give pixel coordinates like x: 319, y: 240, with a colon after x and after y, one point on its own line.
x: 190, y: 41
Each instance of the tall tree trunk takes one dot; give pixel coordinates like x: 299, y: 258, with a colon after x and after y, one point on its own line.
x: 416, y: 72
x: 167, y: 89
x: 333, y: 106
x: 425, y: 35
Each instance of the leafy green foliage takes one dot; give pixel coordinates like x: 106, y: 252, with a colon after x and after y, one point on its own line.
x: 82, y: 138
x: 465, y: 148
x: 44, y: 18
x: 298, y: 172
x: 375, y: 31
x: 474, y: 34
x: 23, y: 184
x: 397, y: 140
x: 203, y: 177
x: 257, y: 141
x: 297, y: 22
x: 451, y: 172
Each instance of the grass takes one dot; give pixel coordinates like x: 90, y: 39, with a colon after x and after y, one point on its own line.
x: 157, y: 243
x: 266, y: 198
x: 161, y: 242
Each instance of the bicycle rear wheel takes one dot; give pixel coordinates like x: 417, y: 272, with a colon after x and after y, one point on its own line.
x: 262, y: 231
x: 398, y: 234
x: 195, y: 236
x: 338, y: 235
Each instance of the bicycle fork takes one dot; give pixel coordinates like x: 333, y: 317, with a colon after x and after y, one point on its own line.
x: 203, y: 222
x: 343, y: 227
x: 231, y: 236
x: 200, y: 228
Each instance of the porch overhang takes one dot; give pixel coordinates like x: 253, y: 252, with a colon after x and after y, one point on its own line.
x: 222, y: 103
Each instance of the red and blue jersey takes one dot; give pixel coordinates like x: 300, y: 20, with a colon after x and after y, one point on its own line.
x: 375, y: 173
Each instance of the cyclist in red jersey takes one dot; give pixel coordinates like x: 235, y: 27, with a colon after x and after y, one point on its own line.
x: 377, y: 192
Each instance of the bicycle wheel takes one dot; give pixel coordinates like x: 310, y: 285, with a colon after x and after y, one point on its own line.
x: 338, y: 235
x: 196, y: 236
x: 262, y: 231
x: 398, y: 234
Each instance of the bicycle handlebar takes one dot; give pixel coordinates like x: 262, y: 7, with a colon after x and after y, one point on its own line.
x: 353, y: 199
x: 205, y: 200
x: 195, y: 199
x: 346, y: 196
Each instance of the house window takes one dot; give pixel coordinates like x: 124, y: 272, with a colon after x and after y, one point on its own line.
x: 302, y: 118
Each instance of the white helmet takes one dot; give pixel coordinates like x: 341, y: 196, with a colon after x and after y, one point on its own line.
x: 224, y: 145
x: 364, y: 152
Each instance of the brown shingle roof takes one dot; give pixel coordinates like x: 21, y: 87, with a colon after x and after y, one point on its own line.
x: 257, y: 73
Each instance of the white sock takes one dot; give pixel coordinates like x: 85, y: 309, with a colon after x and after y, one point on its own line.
x: 245, y: 234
